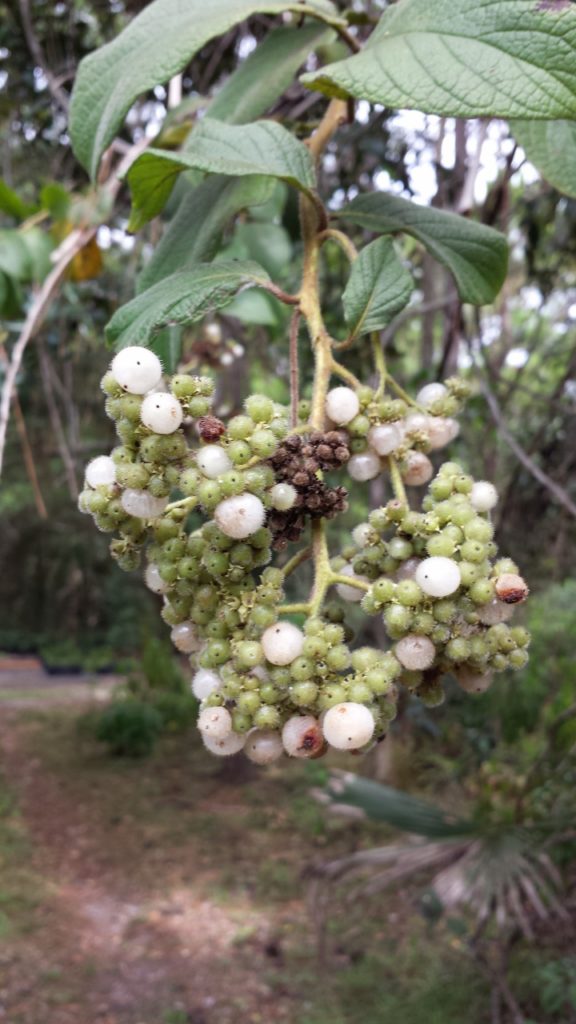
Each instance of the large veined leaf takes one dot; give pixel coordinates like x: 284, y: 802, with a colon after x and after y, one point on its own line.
x: 194, y: 232
x: 476, y: 256
x: 265, y: 74
x: 156, y: 45
x: 551, y: 147
x: 377, y: 289
x: 466, y: 58
x: 182, y: 298
x: 383, y: 803
x: 260, y: 148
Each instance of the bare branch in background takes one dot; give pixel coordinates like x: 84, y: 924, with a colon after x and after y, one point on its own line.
x: 56, y: 420
x: 27, y: 453
x: 557, y: 492
x: 59, y: 94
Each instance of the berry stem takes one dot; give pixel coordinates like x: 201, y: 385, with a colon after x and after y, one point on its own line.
x: 349, y: 581
x: 344, y: 374
x: 184, y: 504
x: 322, y: 571
x: 294, y: 609
x: 397, y: 481
x: 345, y: 243
x: 296, y: 560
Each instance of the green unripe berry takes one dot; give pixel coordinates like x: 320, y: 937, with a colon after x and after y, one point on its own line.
x: 479, y: 530
x: 258, y: 479
x: 360, y: 693
x: 518, y: 659
x: 315, y: 647
x: 520, y: 636
x: 198, y: 406
x: 377, y: 681
x: 383, y: 590
x: 239, y: 452
x: 364, y: 658
x: 249, y: 702
x: 400, y: 549
x: 188, y: 568
x: 248, y: 654
x: 263, y: 442
x: 359, y: 426
x: 440, y: 635
x: 216, y: 563
x: 473, y: 551
x: 267, y: 717
x: 463, y: 484
x: 269, y: 694
x: 240, y: 722
x: 302, y: 669
x: 499, y: 662
x: 463, y: 514
x: 457, y: 649
x: 304, y: 694
x: 469, y: 573
x: 504, y: 566
x: 331, y: 695
x: 397, y: 618
x: 338, y: 658
x: 209, y: 494
x: 424, y: 623
x: 333, y: 633
x: 190, y: 481
x: 444, y: 610
x: 259, y: 408
x: 482, y: 591
x: 440, y: 545
x: 183, y: 386
x: 441, y: 488
x: 409, y: 593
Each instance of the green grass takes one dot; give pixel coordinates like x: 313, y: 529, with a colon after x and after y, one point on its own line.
x: 19, y: 887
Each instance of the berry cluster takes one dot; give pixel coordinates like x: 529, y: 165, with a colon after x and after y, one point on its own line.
x: 266, y: 685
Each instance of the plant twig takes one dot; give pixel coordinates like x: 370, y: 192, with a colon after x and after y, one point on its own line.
x: 56, y: 421
x: 27, y: 453
x: 294, y: 367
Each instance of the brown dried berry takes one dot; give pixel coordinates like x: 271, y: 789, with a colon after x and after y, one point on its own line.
x: 210, y: 428
x: 511, y: 589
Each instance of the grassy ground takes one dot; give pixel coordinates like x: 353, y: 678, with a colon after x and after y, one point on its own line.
x: 173, y: 891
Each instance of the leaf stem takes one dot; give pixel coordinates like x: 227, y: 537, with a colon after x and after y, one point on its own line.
x: 294, y: 368
x: 346, y: 244
x: 397, y: 481
x: 296, y: 560
x: 379, y: 363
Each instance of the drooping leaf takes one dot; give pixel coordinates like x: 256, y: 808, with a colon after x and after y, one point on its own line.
x: 476, y: 256
x: 265, y: 74
x: 182, y: 298
x: 12, y: 204
x: 256, y: 307
x: 260, y: 148
x: 194, y: 233
x: 167, y: 345
x: 465, y: 58
x: 383, y: 803
x: 551, y: 147
x: 157, y: 44
x: 377, y: 289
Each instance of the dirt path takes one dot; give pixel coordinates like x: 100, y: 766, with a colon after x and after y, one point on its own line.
x: 140, y: 918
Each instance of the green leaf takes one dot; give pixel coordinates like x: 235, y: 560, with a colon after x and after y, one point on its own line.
x: 265, y: 74
x: 383, y: 803
x: 11, y: 204
x: 476, y: 256
x: 256, y: 307
x: 194, y: 233
x: 465, y: 58
x: 182, y: 298
x: 377, y: 289
x: 158, y: 43
x: 260, y: 148
x: 167, y: 345
x: 551, y: 147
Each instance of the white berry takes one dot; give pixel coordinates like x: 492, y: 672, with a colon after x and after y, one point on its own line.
x: 153, y: 579
x: 361, y: 534
x: 161, y: 412
x: 283, y: 497
x: 142, y: 504
x: 483, y: 496
x: 473, y: 682
x: 342, y: 405
x: 438, y: 576
x: 494, y: 612
x: 263, y: 746
x: 386, y: 438
x: 350, y: 593
x: 441, y: 431
x: 101, y: 471
x: 417, y: 469
x: 302, y: 736
x: 364, y: 466
x: 240, y: 516
x: 415, y: 652
x: 407, y: 571
x: 205, y: 683
x: 231, y: 744
x: 415, y: 422
x: 213, y: 461
x: 184, y: 638
x: 282, y: 643
x: 348, y: 726
x: 431, y: 393
x: 136, y: 369
x: 215, y: 722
